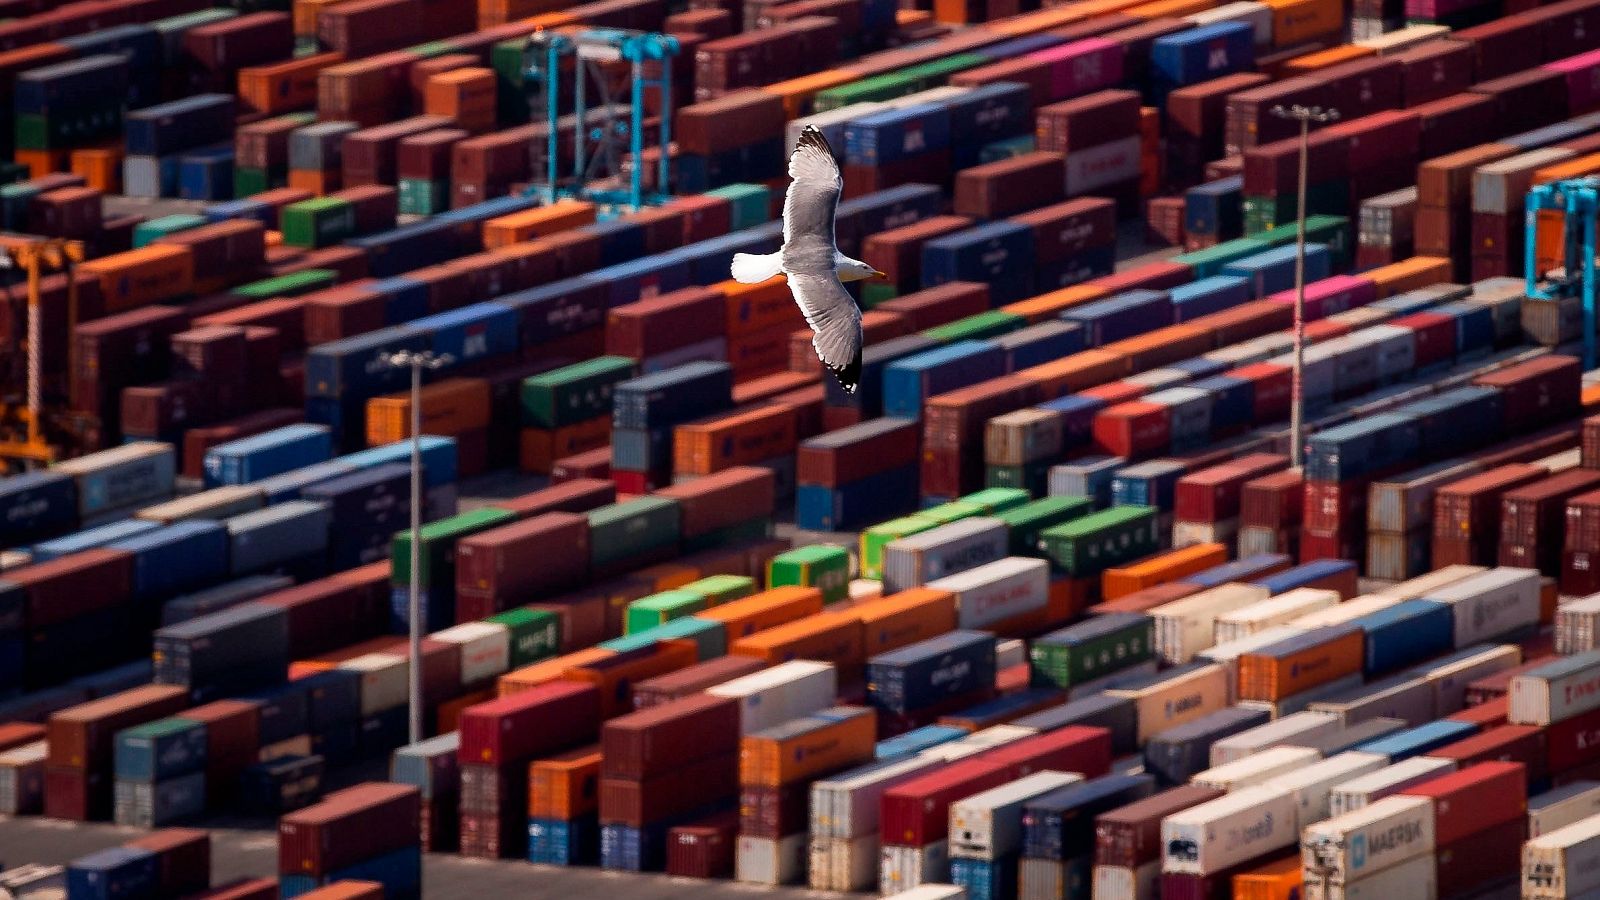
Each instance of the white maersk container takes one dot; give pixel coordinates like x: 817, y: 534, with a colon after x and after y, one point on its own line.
x: 997, y: 591
x: 1229, y: 830
x: 1562, y: 807
x: 785, y: 691
x: 485, y: 649
x: 1352, y: 846
x: 1409, y: 698
x: 1450, y: 676
x: 844, y: 864
x: 933, y: 554
x: 1279, y: 610
x: 1185, y: 627
x: 1257, y: 768
x: 1362, y: 792
x: 1414, y: 879
x: 1557, y: 691
x: 1495, y: 603
x: 988, y: 824
x: 902, y: 868
x: 932, y: 892
x: 1167, y: 700
x: 846, y: 805
x: 1300, y: 726
x: 770, y: 862
x: 1563, y: 863
x: 1313, y: 785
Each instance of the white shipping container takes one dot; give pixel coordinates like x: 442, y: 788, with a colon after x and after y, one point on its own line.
x: 1229, y: 830
x: 485, y: 649
x: 844, y: 865
x: 776, y: 695
x: 1497, y: 602
x: 22, y: 779
x: 1119, y: 883
x: 216, y: 504
x: 1414, y: 879
x: 1010, y: 653
x: 1397, y: 347
x: 995, y: 735
x: 1555, y: 692
x: 34, y: 882
x: 932, y: 892
x: 1406, y: 697
x: 846, y: 805
x: 1562, y: 807
x: 1301, y: 702
x: 1578, y: 625
x: 1176, y: 699
x: 1185, y: 627
x: 385, y: 682
x: 1258, y: 768
x: 1358, y: 793
x: 823, y: 120
x: 1368, y: 840
x: 988, y: 824
x: 770, y: 862
x: 1348, y: 611
x: 997, y: 591
x: 1190, y: 534
x: 1050, y: 879
x: 1405, y: 38
x: 122, y: 476
x: 902, y: 868
x: 1258, y: 16
x: 1279, y: 610
x: 933, y: 554
x: 1313, y: 785
x: 1562, y: 863
x: 1450, y: 676
x: 1300, y: 726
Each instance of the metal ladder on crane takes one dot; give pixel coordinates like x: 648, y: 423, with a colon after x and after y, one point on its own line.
x: 597, y: 173
x: 1578, y: 199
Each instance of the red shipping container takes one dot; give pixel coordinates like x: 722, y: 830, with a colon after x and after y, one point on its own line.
x: 1503, y: 46
x: 365, y: 27
x: 576, y: 496
x: 664, y: 797
x: 1212, y: 495
x: 352, y: 825
x: 73, y: 585
x: 552, y: 717
x: 335, y: 611
x: 75, y: 794
x: 1537, y: 392
x: 723, y: 499
x: 841, y: 462
x: 1155, y: 276
x: 1454, y: 123
x: 1435, y: 336
x: 1573, y: 742
x: 1491, y: 856
x: 233, y: 730
x: 183, y: 859
x: 498, y: 568
x: 232, y: 44
x: 83, y: 736
x: 657, y: 740
x: 1434, y: 70
x: 704, y: 849
x: 940, y: 305
x: 1474, y: 798
x: 664, y: 323
x: 1115, y: 392
x: 1133, y: 430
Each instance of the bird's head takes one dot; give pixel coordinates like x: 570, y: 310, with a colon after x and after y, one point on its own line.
x: 855, y: 270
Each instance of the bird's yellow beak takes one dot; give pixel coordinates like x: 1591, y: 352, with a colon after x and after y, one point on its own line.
x: 879, y: 275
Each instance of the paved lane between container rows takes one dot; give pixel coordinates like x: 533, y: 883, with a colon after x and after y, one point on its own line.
x: 240, y: 854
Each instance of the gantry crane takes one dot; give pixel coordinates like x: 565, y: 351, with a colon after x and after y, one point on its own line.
x: 22, y: 429
x: 597, y: 172
x: 1579, y: 200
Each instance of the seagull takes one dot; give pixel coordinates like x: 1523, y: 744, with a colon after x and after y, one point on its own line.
x: 812, y: 262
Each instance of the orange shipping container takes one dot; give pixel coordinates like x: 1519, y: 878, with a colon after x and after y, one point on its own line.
x: 777, y: 757
x: 1048, y: 306
x: 466, y: 95
x: 1280, y: 879
x: 1169, y: 9
x: 758, y: 307
x: 502, y: 12
x: 314, y: 182
x: 1161, y: 347
x: 797, y: 92
x: 101, y: 168
x: 1550, y: 250
x: 1273, y: 678
x: 740, y: 439
x: 615, y: 676
x: 1322, y: 59
x: 42, y: 162
x: 759, y: 353
x: 830, y: 637
x: 141, y: 277
x: 305, y: 14
x: 905, y: 618
x: 1160, y: 569
x: 541, y: 447
x: 1409, y: 275
x: 529, y: 677
x: 565, y: 786
x: 284, y: 86
x: 768, y: 609
x: 1077, y: 372
x: 449, y: 408
x: 533, y: 223
x: 1296, y: 22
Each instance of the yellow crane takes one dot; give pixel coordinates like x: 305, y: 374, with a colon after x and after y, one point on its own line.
x: 32, y: 255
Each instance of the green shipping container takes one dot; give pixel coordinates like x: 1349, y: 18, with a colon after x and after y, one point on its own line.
x: 1094, y: 649
x: 1333, y: 231
x: 1211, y: 260
x: 420, y: 197
x: 996, y: 500
x: 720, y: 589
x: 953, y: 511
x: 623, y: 531
x: 249, y: 182
x: 292, y: 285
x: 145, y: 233
x: 658, y: 609
x: 438, y: 557
x: 868, y: 90
x: 535, y: 634
x: 318, y: 222
x: 1028, y: 521
x: 874, y: 539
x: 1086, y: 547
x: 62, y: 130
x: 876, y: 292
x: 752, y: 203
x: 937, y: 72
x: 511, y: 101
x: 1264, y: 213
x: 989, y: 324
x: 575, y: 393
x: 710, y: 638
x: 435, y: 48
x: 819, y: 566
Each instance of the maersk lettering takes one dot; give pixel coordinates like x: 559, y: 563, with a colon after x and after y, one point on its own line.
x: 1395, y: 837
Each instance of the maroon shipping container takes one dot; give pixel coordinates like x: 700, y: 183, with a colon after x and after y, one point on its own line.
x: 952, y: 431
x: 1526, y: 100
x: 1131, y: 836
x: 1452, y: 124
x: 1466, y: 513
x: 264, y: 144
x: 665, y: 322
x: 1364, y: 86
x: 577, y: 496
x: 1273, y: 169
x: 1216, y: 886
x: 1435, y: 70
x: 352, y: 825
x: 1521, y: 744
x: 1155, y: 276
x: 663, y: 689
x: 591, y: 464
x: 73, y: 585
x: 1213, y: 494
x: 370, y: 156
x: 1573, y: 742
x: 690, y: 786
x: 898, y: 252
x: 1010, y: 186
x: 504, y: 566
x: 1537, y: 392
x: 1490, y: 856
x: 1249, y: 118
x: 366, y: 27
x: 428, y: 155
x: 1088, y: 121
x: 1504, y: 46
x: 940, y: 305
x: 232, y: 44
x: 221, y: 251
x: 705, y: 848
x: 723, y: 499
x: 1200, y: 111
x: 1477, y: 796
x: 1273, y: 501
x: 728, y: 123
x: 656, y: 740
x: 1066, y: 229
x: 159, y: 410
x: 127, y: 348
x: 373, y: 206
x: 916, y: 813
x: 183, y: 859
x: 232, y: 743
x: 1532, y: 519
x: 336, y: 611
x: 83, y: 736
x: 343, y: 311
x: 76, y: 794
x: 843, y: 462
x: 538, y: 722
x: 774, y: 812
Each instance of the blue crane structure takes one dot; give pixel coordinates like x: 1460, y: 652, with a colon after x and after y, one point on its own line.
x: 1578, y: 199
x: 601, y: 133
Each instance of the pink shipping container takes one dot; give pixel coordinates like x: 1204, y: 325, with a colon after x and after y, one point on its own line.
x: 1583, y: 81
x: 1332, y: 295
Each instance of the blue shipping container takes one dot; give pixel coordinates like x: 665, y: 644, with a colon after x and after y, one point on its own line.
x: 45, y: 551
x: 206, y: 174
x: 1209, y: 295
x: 886, y: 494
x: 874, y: 359
x: 908, y: 382
x: 1201, y: 54
x: 1077, y: 417
x: 896, y: 134
x: 1452, y: 422
x: 177, y: 558
x: 269, y: 453
x: 353, y: 369
x: 196, y: 121
x: 1215, y: 209
x: 1403, y: 745
x: 1271, y: 271
x: 999, y: 254
x: 1232, y: 401
x: 1251, y: 569
x: 438, y: 458
x: 1041, y: 343
x: 672, y: 397
x: 113, y: 874
x: 1126, y: 315
x: 922, y: 674
x: 1405, y: 634
x: 563, y: 842
x: 912, y: 743
x: 471, y: 333
x: 1367, y: 446
x: 278, y: 535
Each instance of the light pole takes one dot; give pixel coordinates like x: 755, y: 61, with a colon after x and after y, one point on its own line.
x: 1305, y: 115
x: 416, y: 362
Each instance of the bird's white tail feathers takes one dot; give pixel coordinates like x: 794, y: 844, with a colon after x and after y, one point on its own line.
x: 750, y: 268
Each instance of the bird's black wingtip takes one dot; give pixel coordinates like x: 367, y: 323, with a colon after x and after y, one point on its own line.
x: 849, y: 376
x: 811, y: 136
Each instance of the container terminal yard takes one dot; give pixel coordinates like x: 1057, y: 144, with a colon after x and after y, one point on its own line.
x: 402, y: 498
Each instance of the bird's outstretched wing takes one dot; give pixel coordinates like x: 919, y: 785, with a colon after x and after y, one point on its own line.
x: 836, y: 322
x: 808, y: 209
